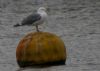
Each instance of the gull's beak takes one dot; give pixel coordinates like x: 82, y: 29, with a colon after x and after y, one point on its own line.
x: 47, y: 9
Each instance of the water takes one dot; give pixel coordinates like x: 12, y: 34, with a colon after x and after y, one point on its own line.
x: 77, y: 22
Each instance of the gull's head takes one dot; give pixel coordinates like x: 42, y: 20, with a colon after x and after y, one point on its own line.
x: 42, y: 9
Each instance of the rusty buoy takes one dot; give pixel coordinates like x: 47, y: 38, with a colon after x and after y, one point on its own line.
x: 40, y: 49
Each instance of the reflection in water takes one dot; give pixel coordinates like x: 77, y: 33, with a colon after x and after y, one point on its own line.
x: 20, y: 69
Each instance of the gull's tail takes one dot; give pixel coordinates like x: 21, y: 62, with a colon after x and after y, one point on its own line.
x: 16, y: 25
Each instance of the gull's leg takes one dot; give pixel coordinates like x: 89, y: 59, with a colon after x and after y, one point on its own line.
x: 37, y: 29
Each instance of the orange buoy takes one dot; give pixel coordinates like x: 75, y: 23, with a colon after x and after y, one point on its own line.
x: 40, y: 49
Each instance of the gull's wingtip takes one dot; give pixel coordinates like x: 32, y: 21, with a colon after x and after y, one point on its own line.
x: 16, y: 25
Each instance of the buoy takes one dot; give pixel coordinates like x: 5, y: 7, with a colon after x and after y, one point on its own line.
x: 40, y: 49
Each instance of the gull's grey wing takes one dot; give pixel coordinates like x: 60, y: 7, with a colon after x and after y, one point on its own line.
x: 31, y: 19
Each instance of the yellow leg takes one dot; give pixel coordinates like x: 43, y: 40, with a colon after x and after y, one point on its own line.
x: 37, y: 29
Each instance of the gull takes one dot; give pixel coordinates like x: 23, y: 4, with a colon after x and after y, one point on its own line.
x: 34, y: 19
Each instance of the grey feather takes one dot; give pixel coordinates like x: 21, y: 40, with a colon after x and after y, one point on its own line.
x: 29, y: 20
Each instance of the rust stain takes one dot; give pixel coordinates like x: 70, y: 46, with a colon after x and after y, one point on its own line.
x: 41, y: 47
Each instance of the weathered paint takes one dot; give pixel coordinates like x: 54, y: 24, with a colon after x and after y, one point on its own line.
x: 40, y: 48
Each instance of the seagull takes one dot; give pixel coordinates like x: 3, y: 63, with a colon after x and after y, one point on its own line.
x: 34, y: 19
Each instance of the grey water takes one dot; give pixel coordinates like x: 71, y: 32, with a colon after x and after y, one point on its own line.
x: 76, y: 22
